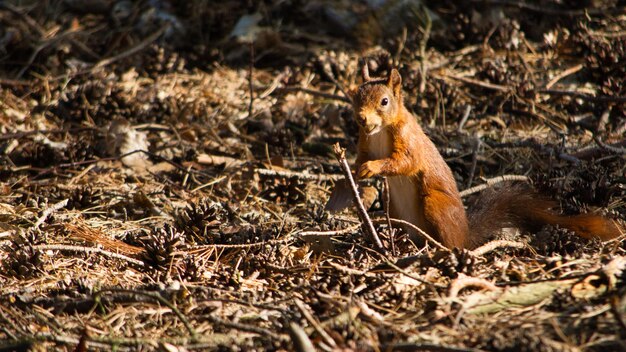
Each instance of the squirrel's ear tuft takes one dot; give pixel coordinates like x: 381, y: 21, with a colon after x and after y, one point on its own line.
x: 394, y: 82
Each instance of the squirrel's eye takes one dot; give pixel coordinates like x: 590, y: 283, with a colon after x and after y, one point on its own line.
x: 384, y: 102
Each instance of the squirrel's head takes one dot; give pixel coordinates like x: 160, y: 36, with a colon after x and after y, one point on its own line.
x: 376, y: 101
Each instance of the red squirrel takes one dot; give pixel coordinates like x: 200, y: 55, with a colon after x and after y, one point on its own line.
x: 422, y: 189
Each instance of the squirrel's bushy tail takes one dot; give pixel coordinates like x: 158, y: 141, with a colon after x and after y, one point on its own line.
x: 521, y: 207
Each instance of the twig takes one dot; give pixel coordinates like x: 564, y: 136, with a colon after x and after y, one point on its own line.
x: 490, y: 246
x: 158, y: 297
x: 250, y: 106
x: 475, y: 151
x: 593, y: 152
x: 194, y: 249
x: 466, y: 114
x: 368, y: 227
x: 386, y: 199
x: 301, y: 341
x: 329, y: 75
x: 272, y: 87
x: 328, y: 233
x: 143, y: 44
x: 548, y: 10
x: 401, y: 45
x: 564, y: 74
x: 18, y: 135
x: 486, y: 85
x: 316, y: 93
x: 422, y: 44
x: 425, y: 347
x: 49, y: 211
x: 585, y: 96
x: 604, y: 119
x: 492, y: 181
x: 83, y: 249
x: 431, y: 285
x: 464, y: 281
x: 104, y: 62
x: 242, y: 327
x: 296, y: 174
x: 14, y: 82
x: 426, y: 236
x: 617, y: 150
x: 314, y: 323
x: 615, y: 310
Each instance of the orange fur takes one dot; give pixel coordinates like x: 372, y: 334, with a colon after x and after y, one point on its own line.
x: 423, y: 189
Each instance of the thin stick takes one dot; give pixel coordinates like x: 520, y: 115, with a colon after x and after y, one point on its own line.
x: 329, y: 74
x: 314, y: 323
x: 430, y: 285
x: 328, y: 233
x: 140, y: 46
x: 584, y: 96
x: 158, y: 297
x: 386, y: 200
x: 198, y: 248
x: 564, y: 74
x: 478, y: 83
x: 19, y: 135
x: 466, y: 114
x: 241, y: 327
x: 467, y: 281
x: 422, y: 45
x: 301, y: 341
x: 83, y: 249
x: 490, y: 246
x: 49, y: 211
x: 475, y: 151
x: 426, y: 236
x: 250, y: 79
x: 296, y: 174
x: 366, y: 222
x: 617, y: 150
x: 315, y: 93
x: 492, y: 181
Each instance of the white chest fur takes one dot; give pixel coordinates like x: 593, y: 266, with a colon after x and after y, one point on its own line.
x: 380, y: 145
x: 404, y: 196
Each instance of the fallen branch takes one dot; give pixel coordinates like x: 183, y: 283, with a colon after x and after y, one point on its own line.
x: 464, y: 281
x: 564, y: 74
x: 493, y: 245
x: 617, y: 150
x: 194, y: 249
x: 315, y: 93
x: 49, y: 211
x: 430, y: 285
x: 158, y: 297
x: 296, y: 174
x: 584, y: 96
x: 366, y: 222
x: 426, y: 236
x: 594, y: 152
x: 475, y: 82
x: 299, y: 338
x: 83, y: 249
x: 328, y: 233
x: 493, y: 181
x: 304, y: 309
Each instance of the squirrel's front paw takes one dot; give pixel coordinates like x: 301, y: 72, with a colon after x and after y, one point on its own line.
x: 370, y: 169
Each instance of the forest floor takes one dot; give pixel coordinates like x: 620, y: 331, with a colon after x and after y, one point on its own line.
x: 164, y: 168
